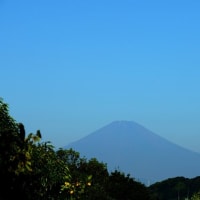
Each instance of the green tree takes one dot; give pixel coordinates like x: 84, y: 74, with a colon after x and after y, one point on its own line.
x: 179, y: 187
x: 123, y: 187
x: 79, y: 178
x: 196, y: 196
x: 100, y: 176
x: 28, y: 169
x: 48, y: 173
x: 14, y: 157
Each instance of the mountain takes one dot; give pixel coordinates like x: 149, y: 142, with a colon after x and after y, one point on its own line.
x: 133, y: 149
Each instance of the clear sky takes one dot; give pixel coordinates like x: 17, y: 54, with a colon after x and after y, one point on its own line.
x: 69, y: 67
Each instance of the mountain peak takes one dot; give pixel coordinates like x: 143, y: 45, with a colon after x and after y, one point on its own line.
x: 124, y: 123
x: 138, y: 151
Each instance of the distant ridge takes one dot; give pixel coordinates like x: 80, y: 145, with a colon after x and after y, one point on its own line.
x: 132, y: 148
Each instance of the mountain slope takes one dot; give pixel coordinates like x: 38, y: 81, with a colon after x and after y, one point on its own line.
x: 133, y: 149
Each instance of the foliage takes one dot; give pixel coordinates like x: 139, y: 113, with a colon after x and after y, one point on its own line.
x: 123, y: 187
x: 85, y: 176
x: 196, y: 196
x: 28, y: 169
x: 175, y: 188
x: 47, y: 172
x: 15, y: 160
x: 100, y: 175
x: 75, y: 190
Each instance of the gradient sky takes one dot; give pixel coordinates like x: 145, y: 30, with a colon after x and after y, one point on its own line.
x: 69, y: 67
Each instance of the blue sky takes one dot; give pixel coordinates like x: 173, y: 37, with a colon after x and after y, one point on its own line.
x: 70, y: 67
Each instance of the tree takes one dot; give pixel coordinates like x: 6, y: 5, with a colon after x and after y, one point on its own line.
x: 48, y: 173
x: 14, y: 158
x: 179, y: 187
x: 28, y: 169
x: 79, y: 178
x: 100, y: 175
x: 123, y: 187
x: 196, y: 196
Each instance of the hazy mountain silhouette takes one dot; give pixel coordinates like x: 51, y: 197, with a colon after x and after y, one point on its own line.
x: 131, y: 148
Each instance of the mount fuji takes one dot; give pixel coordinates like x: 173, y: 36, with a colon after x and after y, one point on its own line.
x: 133, y: 149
